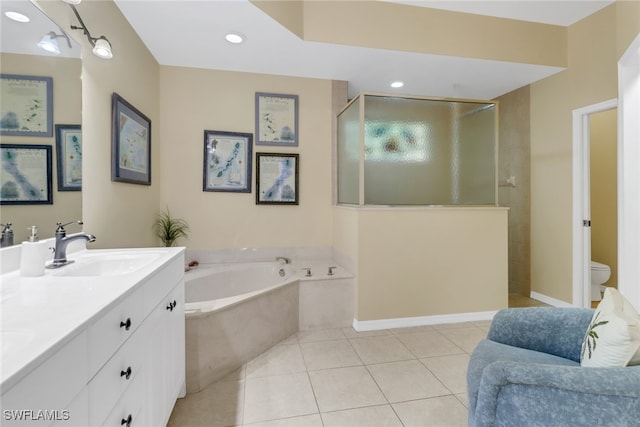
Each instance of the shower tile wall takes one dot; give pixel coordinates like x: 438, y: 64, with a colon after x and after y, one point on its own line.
x: 514, y: 160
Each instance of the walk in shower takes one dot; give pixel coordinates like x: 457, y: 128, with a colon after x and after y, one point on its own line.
x: 411, y: 151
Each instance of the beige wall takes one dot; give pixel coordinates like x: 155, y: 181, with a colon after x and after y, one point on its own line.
x: 417, y: 29
x: 193, y: 100
x: 423, y: 261
x: 594, y: 45
x: 604, y: 193
x: 119, y: 214
x: 67, y: 94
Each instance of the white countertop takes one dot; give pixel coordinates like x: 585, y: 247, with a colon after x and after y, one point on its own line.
x: 40, y: 315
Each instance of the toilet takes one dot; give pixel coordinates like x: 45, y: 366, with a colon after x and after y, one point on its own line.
x: 600, y: 273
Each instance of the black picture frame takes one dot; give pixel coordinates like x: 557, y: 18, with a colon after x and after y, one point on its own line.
x: 69, y: 157
x: 130, y: 143
x: 277, y: 180
x: 227, y: 161
x: 26, y: 174
x: 27, y: 105
x: 276, y: 119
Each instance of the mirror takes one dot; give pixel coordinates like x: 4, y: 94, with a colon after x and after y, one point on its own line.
x: 20, y: 55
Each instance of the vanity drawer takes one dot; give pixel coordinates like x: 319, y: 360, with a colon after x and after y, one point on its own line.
x: 162, y: 283
x: 108, y: 333
x: 118, y: 375
x: 129, y: 411
x: 52, y: 386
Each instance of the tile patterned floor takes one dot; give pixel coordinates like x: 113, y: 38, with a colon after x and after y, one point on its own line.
x: 340, y: 378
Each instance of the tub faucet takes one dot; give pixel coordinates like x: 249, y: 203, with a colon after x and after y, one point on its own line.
x: 62, y: 240
x: 284, y: 260
x: 7, y: 235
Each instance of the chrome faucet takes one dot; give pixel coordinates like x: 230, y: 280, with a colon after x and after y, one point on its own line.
x: 7, y: 235
x: 284, y: 260
x: 62, y: 240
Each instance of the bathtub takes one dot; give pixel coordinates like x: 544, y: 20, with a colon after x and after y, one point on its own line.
x: 211, y: 287
x: 237, y: 310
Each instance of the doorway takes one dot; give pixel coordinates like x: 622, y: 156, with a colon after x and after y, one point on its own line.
x: 603, y: 195
x: 582, y: 199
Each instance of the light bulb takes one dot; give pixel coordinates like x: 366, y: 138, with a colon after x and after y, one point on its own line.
x: 102, y: 48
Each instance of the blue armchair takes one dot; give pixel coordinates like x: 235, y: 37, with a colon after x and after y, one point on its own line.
x: 527, y: 373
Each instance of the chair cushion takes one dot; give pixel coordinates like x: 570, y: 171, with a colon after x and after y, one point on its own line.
x: 613, y: 336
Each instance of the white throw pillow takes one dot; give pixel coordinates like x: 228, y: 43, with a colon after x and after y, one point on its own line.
x: 613, y: 337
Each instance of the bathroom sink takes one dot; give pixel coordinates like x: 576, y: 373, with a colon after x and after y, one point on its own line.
x: 107, y: 264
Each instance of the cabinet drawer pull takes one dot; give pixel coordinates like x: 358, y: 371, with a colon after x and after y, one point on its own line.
x: 126, y: 421
x: 172, y: 305
x: 126, y: 374
x: 126, y: 324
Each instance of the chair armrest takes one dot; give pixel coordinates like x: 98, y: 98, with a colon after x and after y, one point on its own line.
x: 553, y: 330
x: 557, y: 394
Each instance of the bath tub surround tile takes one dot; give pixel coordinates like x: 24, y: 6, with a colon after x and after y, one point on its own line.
x: 345, y: 388
x: 282, y: 396
x: 278, y: 360
x: 304, y: 421
x: 380, y: 349
x: 329, y: 354
x: 320, y: 335
x: 406, y: 380
x: 437, y: 411
x: 429, y: 344
x: 379, y: 416
x: 450, y: 370
x: 326, y: 303
x: 219, y: 405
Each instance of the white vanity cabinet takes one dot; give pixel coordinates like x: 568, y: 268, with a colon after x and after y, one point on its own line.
x: 123, y: 367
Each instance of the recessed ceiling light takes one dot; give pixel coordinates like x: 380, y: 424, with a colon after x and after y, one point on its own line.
x: 235, y: 38
x: 18, y: 17
x: 397, y: 84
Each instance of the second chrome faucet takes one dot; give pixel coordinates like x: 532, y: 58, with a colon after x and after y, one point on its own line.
x: 62, y: 241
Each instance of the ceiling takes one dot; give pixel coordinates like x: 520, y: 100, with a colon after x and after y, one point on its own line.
x: 23, y: 38
x: 191, y: 34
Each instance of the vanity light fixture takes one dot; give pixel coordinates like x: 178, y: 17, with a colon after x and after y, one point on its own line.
x: 101, y: 46
x: 396, y: 85
x: 17, y: 16
x: 234, y: 38
x: 49, y: 42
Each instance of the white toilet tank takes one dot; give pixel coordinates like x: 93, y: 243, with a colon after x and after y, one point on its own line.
x: 600, y: 273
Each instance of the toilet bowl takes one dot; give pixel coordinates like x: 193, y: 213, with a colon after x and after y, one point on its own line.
x: 600, y: 273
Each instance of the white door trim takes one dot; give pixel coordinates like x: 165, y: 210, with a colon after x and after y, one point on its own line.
x: 581, y: 197
x: 629, y: 174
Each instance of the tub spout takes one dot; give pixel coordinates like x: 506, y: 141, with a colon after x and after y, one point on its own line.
x: 283, y: 259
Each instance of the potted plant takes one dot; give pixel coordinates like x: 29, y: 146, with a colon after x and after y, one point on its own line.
x: 169, y: 229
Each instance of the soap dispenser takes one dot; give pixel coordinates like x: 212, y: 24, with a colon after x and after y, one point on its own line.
x: 33, y: 255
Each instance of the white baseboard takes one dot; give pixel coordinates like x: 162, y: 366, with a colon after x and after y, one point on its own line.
x: 548, y: 300
x: 407, y: 322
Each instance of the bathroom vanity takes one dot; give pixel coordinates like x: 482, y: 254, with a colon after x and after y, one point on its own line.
x: 99, y: 342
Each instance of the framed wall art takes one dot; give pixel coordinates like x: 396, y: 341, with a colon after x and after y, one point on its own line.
x: 25, y: 175
x: 27, y: 105
x: 130, y: 143
x: 276, y: 119
x: 69, y: 157
x: 277, y: 178
x: 227, y: 161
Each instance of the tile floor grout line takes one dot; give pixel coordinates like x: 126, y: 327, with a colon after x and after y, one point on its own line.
x: 313, y: 390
